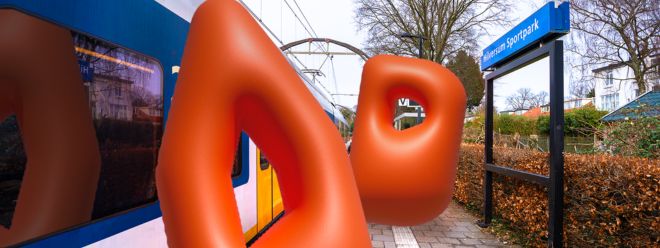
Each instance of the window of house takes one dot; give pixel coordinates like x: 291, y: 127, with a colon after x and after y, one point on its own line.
x: 610, y: 101
x: 118, y: 91
x: 616, y: 100
x: 609, y: 78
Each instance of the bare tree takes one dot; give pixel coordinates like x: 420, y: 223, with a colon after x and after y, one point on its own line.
x: 582, y: 87
x: 525, y: 98
x: 522, y: 99
x: 617, y: 32
x: 449, y: 26
x: 539, y: 99
x: 581, y: 81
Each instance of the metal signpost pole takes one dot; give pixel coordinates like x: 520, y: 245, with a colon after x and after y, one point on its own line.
x: 488, y: 157
x: 556, y: 191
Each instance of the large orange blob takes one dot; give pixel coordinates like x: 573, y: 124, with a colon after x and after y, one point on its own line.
x: 40, y: 83
x: 406, y: 177
x: 234, y: 78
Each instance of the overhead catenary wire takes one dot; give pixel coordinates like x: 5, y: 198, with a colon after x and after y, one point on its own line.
x: 334, y: 75
x: 261, y: 22
x: 305, y: 17
x: 307, y: 28
x: 323, y: 63
x: 298, y: 18
x: 310, y: 33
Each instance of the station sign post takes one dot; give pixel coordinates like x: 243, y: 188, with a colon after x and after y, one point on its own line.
x: 533, y: 39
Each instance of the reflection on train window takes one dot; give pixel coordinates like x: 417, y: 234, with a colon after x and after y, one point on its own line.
x: 238, y: 160
x: 124, y: 95
x: 124, y: 91
x: 12, y: 165
x: 263, y: 161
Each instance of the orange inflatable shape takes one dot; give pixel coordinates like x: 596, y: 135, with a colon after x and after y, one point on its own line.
x: 406, y: 177
x: 40, y: 83
x: 234, y: 78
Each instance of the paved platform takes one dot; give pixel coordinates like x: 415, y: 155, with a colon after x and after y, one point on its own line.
x: 453, y: 228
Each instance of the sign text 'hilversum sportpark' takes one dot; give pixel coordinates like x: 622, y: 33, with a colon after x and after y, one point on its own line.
x: 549, y: 22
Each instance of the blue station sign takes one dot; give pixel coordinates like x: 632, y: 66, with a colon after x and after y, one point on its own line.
x: 549, y: 22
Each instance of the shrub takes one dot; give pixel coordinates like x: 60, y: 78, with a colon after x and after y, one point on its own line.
x: 583, y: 121
x: 473, y: 131
x: 511, y: 124
x: 578, y: 122
x: 640, y: 137
x: 609, y: 200
x: 543, y: 124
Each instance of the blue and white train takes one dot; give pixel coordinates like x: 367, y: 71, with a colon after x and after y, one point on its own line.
x: 129, y: 52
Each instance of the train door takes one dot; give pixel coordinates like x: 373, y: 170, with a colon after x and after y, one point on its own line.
x: 278, y: 206
x: 269, y: 198
x: 264, y: 192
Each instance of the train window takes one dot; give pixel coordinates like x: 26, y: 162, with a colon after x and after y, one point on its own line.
x: 238, y: 160
x: 124, y: 90
x: 12, y: 165
x: 263, y: 161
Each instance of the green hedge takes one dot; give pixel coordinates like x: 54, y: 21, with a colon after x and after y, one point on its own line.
x: 578, y: 122
x: 512, y: 124
x: 505, y: 124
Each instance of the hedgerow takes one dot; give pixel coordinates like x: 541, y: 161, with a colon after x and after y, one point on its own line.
x: 577, y: 122
x: 609, y: 200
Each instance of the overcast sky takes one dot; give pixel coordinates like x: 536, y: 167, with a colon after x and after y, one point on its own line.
x: 335, y: 19
x: 329, y: 19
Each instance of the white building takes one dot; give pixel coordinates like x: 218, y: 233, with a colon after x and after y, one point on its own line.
x: 110, y: 97
x: 615, y: 86
x: 408, y: 120
x: 570, y: 104
x: 514, y: 112
x: 577, y: 103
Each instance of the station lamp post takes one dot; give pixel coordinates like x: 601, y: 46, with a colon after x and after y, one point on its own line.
x: 421, y: 55
x: 421, y: 41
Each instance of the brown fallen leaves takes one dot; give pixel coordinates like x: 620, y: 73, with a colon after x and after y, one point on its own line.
x: 608, y: 200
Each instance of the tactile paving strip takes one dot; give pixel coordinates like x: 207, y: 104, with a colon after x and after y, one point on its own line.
x: 404, y: 237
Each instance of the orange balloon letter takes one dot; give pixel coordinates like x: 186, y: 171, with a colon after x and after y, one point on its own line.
x: 234, y: 78
x: 40, y: 83
x: 406, y: 177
